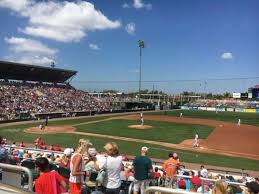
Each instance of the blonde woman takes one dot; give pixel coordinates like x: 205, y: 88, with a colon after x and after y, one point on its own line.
x: 220, y: 187
x: 113, y: 165
x: 77, y: 172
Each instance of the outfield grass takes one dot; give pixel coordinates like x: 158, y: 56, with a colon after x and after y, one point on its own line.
x: 246, y: 118
x: 161, y: 131
x: 132, y: 148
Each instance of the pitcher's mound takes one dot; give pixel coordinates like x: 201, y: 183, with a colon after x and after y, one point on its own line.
x: 140, y: 126
x: 50, y: 129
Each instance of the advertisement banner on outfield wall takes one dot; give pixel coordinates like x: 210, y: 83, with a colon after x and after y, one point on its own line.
x: 220, y: 109
x: 211, y: 109
x: 185, y: 108
x: 257, y: 111
x: 194, y: 108
x: 239, y: 110
x: 236, y: 95
x: 230, y: 109
x: 202, y: 108
x: 251, y: 110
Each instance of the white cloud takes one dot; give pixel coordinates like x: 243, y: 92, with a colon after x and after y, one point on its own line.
x: 30, y: 51
x: 125, y: 5
x: 94, y: 46
x: 23, y: 45
x: 15, y: 5
x: 62, y: 21
x: 138, y: 4
x: 130, y: 28
x: 227, y: 55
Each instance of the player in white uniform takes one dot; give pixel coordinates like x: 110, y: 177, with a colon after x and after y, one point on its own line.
x: 141, y: 118
x: 181, y: 114
x: 239, y: 122
x: 196, y: 140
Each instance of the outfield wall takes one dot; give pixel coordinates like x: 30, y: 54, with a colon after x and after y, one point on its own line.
x: 221, y: 109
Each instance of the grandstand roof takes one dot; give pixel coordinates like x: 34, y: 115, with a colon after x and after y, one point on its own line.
x: 26, y: 72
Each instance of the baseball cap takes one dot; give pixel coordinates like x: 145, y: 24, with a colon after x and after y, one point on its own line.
x: 196, y: 181
x: 181, y: 184
x: 68, y: 151
x: 144, y: 148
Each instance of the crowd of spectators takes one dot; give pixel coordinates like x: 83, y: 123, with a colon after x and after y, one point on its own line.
x: 78, y: 170
x: 22, y: 99
x: 224, y: 103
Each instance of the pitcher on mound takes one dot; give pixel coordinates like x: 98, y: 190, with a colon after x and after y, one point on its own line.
x: 141, y: 118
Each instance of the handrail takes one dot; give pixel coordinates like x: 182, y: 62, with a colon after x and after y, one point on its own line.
x: 212, y: 180
x: 166, y: 190
x: 20, y: 169
x: 33, y: 149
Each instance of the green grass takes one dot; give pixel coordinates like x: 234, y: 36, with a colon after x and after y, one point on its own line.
x: 132, y: 148
x: 161, y: 131
x: 246, y: 118
x: 15, y: 133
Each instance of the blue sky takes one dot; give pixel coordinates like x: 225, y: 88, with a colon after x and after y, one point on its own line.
x: 185, y: 40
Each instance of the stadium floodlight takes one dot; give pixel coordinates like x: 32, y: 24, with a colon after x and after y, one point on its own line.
x: 52, y: 64
x: 141, y: 45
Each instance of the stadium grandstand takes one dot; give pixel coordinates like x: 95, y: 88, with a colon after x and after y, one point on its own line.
x: 28, y: 91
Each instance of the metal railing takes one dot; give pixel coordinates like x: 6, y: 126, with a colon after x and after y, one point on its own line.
x: 12, y: 169
x: 166, y: 190
x: 163, y: 189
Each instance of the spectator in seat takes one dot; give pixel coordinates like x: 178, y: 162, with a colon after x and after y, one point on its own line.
x: 113, y: 166
x: 48, y: 181
x: 143, y: 171
x: 203, y: 172
x: 195, y: 183
x: 220, y: 187
x: 181, y: 184
x: 22, y: 144
x: 66, y: 158
x: 187, y: 181
x: 157, y: 174
x: 3, y: 152
x: 253, y: 187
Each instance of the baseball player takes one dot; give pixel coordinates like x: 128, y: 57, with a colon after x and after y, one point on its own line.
x: 239, y: 122
x: 141, y: 118
x: 196, y: 140
x: 181, y: 114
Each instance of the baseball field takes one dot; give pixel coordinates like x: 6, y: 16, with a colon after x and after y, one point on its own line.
x: 223, y: 143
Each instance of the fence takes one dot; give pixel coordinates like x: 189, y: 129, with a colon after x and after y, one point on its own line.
x: 171, y: 190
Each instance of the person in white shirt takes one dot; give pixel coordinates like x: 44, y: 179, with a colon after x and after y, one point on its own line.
x: 113, y: 165
x: 239, y: 122
x: 77, y: 168
x: 203, y: 172
x: 181, y: 114
x: 196, y: 140
x: 141, y: 118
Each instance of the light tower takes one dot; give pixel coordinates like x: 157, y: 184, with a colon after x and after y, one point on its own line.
x: 141, y: 45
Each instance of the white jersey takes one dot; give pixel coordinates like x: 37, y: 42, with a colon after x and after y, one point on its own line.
x: 141, y: 115
x: 196, y: 137
x: 79, y: 178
